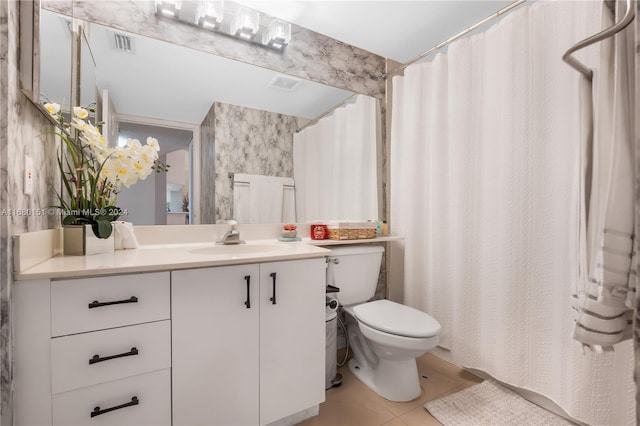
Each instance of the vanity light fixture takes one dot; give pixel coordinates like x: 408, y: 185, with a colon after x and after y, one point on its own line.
x: 169, y: 7
x: 210, y: 14
x: 245, y: 23
x: 230, y: 19
x: 277, y: 34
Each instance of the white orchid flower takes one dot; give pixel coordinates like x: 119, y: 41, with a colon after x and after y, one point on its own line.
x: 80, y: 112
x: 79, y: 124
x: 52, y: 108
x: 125, y: 175
x: 133, y: 146
x: 153, y: 143
x: 109, y: 172
x: 112, y: 166
x: 148, y: 155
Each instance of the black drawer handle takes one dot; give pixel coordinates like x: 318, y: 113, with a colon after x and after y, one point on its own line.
x: 96, y: 358
x: 97, y: 411
x: 247, y: 303
x: 96, y: 304
x: 273, y: 298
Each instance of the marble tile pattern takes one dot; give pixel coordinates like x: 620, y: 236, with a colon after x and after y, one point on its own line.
x: 7, y: 53
x: 381, y: 287
x: 32, y: 138
x: 249, y: 141
x: 22, y: 127
x: 637, y: 204
x: 63, y: 7
x: 309, y: 55
x: 208, y: 168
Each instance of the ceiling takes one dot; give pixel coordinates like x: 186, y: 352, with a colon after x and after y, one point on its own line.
x: 399, y: 30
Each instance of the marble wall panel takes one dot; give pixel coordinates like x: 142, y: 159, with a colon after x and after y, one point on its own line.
x: 637, y: 237
x: 5, y: 250
x: 63, y: 7
x: 22, y: 131
x: 32, y: 137
x: 249, y: 141
x: 309, y: 55
x: 208, y: 168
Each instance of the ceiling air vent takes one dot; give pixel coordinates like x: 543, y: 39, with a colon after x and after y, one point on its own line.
x: 124, y: 43
x: 285, y: 82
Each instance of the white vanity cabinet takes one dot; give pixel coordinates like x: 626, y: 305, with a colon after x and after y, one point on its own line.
x: 248, y: 342
x: 93, y: 351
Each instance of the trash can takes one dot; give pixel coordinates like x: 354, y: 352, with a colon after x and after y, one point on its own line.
x: 330, y: 342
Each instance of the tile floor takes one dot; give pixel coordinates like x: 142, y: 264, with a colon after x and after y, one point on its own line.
x: 354, y: 404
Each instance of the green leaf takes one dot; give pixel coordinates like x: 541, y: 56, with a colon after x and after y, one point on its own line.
x: 69, y: 220
x: 102, y: 228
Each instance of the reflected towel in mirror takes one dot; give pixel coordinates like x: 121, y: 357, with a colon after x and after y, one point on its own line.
x: 263, y: 199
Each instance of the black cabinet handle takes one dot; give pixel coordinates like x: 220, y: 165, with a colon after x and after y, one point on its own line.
x: 96, y: 304
x: 248, y: 301
x: 96, y: 358
x: 97, y: 411
x: 273, y: 277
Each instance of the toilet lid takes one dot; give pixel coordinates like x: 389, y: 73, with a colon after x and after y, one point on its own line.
x: 394, y: 318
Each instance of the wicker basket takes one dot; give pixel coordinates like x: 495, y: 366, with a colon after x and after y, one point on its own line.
x: 351, y: 230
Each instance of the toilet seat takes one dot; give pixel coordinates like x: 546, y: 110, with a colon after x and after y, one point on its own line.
x: 394, y: 318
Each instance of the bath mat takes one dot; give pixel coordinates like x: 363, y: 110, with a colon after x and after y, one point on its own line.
x: 489, y: 403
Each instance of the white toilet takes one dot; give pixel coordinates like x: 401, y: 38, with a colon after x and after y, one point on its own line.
x: 385, y: 337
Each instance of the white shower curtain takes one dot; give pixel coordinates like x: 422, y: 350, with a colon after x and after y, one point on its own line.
x: 484, y: 185
x: 335, y: 164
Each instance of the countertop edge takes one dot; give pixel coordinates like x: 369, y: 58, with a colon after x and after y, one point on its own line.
x: 329, y: 242
x: 134, y: 269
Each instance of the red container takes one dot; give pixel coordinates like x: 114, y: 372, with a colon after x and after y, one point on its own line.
x: 319, y: 232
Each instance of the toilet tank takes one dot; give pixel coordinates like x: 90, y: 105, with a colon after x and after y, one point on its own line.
x: 355, y: 273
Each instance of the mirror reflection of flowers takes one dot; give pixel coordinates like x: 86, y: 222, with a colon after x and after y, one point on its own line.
x: 93, y: 173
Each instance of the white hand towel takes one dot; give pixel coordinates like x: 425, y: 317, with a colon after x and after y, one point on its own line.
x: 265, y: 201
x: 124, y: 238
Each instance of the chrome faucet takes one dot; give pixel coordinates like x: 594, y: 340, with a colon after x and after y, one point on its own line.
x: 232, y: 236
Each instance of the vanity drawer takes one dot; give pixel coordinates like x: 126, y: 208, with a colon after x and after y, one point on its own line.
x: 122, y: 352
x: 152, y: 390
x: 88, y: 304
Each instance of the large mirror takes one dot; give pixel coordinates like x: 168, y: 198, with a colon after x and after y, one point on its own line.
x: 215, y: 118
x: 55, y: 58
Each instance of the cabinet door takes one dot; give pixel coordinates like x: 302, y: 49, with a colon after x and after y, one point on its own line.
x: 292, y: 337
x: 215, y: 346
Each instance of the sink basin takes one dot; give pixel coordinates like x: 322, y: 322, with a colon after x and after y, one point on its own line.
x: 241, y: 249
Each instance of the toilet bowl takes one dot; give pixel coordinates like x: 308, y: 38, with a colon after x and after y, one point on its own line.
x: 385, y: 337
x: 385, y: 360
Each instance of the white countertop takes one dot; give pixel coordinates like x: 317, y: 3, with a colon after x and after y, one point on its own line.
x: 165, y: 257
x: 37, y: 255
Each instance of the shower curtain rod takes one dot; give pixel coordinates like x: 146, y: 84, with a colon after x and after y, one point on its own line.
x: 619, y: 26
x: 455, y: 37
x: 329, y: 111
